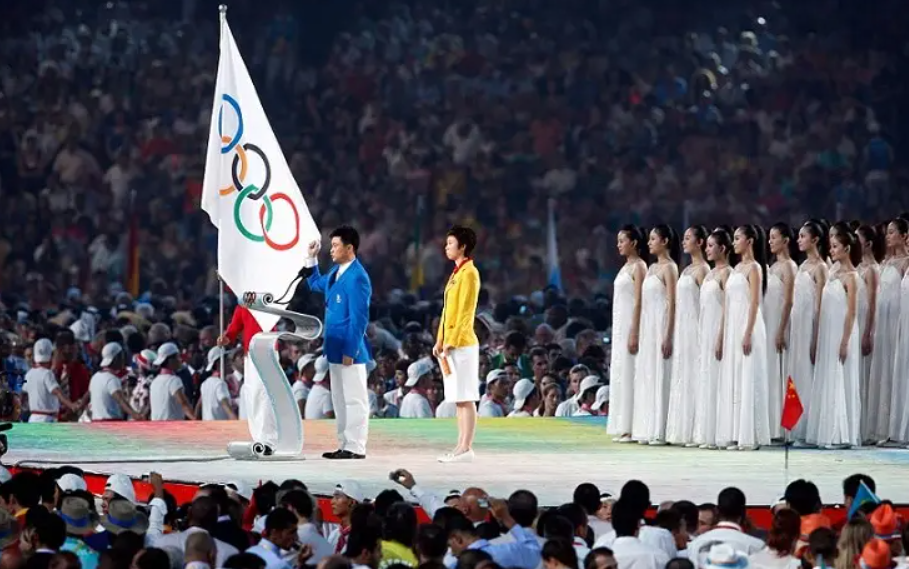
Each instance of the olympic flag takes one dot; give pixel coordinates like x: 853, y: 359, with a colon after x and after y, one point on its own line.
x: 264, y: 226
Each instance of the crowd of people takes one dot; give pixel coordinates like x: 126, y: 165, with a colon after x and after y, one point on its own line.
x: 50, y: 521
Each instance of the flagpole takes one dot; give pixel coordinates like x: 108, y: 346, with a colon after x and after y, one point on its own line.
x: 222, y: 16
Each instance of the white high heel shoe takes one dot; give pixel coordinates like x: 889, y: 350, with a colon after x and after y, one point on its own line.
x: 466, y: 456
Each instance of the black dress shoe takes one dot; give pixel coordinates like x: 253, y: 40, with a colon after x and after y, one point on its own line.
x: 343, y: 455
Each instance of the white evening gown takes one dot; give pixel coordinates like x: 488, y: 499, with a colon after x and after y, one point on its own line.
x: 742, y: 413
x: 777, y: 363
x: 711, y: 318
x: 685, y: 363
x: 886, y: 327
x: 801, y: 330
x: 835, y: 416
x: 621, y: 364
x: 651, y: 378
x: 901, y: 364
x: 864, y: 301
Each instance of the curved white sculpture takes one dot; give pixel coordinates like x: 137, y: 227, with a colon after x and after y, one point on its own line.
x: 264, y: 356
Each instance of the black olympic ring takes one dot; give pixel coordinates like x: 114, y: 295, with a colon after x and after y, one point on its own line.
x: 249, y: 147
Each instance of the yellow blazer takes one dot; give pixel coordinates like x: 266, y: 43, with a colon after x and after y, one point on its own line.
x: 460, y: 307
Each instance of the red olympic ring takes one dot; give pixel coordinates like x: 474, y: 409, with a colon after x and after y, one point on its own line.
x: 262, y: 211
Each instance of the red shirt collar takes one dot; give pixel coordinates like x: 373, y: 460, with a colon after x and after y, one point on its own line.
x: 458, y: 267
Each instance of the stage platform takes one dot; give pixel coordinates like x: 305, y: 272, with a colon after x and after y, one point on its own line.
x: 548, y: 456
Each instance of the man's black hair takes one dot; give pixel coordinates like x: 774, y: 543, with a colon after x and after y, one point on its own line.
x: 523, y: 507
x: 851, y: 484
x: 348, y: 236
x: 280, y: 519
x: 300, y: 501
x: 587, y: 496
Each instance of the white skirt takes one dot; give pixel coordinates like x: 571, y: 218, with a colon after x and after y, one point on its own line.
x: 463, y: 384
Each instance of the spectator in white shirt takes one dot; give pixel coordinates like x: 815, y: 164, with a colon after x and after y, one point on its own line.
x: 280, y: 536
x: 630, y: 552
x: 301, y: 504
x: 446, y: 410
x: 521, y: 553
x: 577, y: 517
x: 108, y: 399
x: 202, y: 516
x: 168, y: 400
x: 318, y: 404
x: 493, y: 403
x: 41, y: 388
x: 572, y: 405
x: 214, y: 398
x: 415, y: 404
x: 601, y: 403
x: 637, y: 493
x: 588, y: 497
x: 731, y: 508
x: 586, y: 399
x: 396, y: 395
x: 526, y: 398
x: 303, y: 385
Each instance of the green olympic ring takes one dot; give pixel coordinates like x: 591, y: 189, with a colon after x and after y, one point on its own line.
x: 266, y: 203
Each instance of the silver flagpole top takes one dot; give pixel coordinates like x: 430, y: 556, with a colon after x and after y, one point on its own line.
x: 222, y: 9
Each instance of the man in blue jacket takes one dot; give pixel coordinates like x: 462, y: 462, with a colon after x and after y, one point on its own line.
x: 347, y: 291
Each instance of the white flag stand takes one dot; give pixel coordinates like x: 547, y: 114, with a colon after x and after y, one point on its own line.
x: 264, y: 356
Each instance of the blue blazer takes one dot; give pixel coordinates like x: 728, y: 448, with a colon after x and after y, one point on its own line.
x: 346, y: 312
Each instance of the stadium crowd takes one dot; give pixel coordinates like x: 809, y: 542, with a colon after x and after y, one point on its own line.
x: 418, y: 117
x: 51, y: 521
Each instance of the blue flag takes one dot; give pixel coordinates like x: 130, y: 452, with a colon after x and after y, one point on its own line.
x: 863, y: 496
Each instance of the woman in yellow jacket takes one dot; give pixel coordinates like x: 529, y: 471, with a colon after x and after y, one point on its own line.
x: 457, y: 347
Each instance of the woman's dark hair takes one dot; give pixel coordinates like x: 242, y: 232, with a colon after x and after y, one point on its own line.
x: 465, y: 237
x: 562, y: 551
x: 819, y: 231
x: 759, y: 248
x: 636, y: 234
x: 847, y: 239
x: 590, y: 562
x: 680, y: 563
x: 901, y: 224
x: 723, y: 238
x: 400, y: 524
x: 784, y: 532
x: 672, y: 241
x: 786, y: 232
x: 854, y: 224
x: 875, y: 239
x: 700, y: 234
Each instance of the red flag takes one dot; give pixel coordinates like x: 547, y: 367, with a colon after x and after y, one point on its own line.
x: 792, y: 407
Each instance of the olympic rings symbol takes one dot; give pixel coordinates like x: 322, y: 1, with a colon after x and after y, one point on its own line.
x: 251, y: 191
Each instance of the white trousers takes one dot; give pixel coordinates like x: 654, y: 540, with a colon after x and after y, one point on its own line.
x: 263, y: 426
x: 350, y: 398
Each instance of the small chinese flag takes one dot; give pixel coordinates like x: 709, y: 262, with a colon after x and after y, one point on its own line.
x: 792, y: 407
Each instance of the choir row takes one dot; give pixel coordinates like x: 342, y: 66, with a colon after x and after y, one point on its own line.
x: 701, y: 358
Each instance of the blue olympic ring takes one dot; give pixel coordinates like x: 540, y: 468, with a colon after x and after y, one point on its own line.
x: 239, y: 134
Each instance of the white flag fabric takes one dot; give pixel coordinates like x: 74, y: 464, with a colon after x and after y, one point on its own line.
x: 264, y: 226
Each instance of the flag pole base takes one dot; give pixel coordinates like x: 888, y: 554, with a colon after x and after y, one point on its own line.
x: 249, y: 451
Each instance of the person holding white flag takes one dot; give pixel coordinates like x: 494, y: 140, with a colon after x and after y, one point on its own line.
x: 264, y: 225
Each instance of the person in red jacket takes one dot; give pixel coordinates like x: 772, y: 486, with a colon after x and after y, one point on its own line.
x: 263, y: 426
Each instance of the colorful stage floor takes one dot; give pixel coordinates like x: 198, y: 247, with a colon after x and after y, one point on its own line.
x: 547, y: 456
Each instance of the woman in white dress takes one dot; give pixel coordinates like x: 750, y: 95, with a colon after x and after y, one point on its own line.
x: 835, y: 420
x: 710, y: 332
x: 686, y: 373
x: 901, y: 356
x: 806, y: 302
x: 884, y: 391
x: 743, y: 416
x: 869, y: 270
x: 653, y: 365
x: 626, y: 323
x: 777, y: 311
